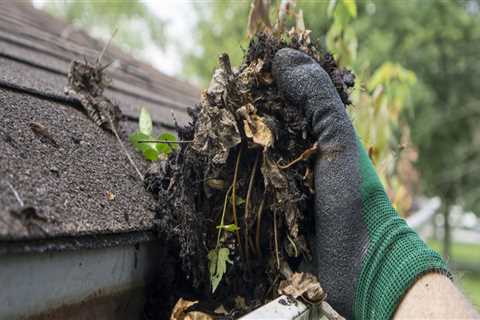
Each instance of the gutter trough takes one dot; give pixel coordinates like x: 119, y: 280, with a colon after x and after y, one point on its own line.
x: 106, y: 283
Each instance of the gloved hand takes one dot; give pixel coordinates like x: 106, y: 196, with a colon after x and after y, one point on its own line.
x: 365, y: 254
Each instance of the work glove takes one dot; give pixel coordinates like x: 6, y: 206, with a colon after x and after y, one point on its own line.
x: 365, y: 255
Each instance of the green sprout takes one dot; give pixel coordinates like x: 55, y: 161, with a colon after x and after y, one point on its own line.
x: 146, y: 143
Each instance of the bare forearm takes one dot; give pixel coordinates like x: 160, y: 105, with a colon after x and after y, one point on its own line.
x: 434, y: 296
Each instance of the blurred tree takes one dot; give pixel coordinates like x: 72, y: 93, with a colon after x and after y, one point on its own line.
x: 221, y: 27
x: 102, y: 17
x: 440, y: 41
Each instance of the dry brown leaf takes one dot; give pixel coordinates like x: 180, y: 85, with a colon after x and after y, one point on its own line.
x: 110, y: 196
x: 197, y: 315
x: 259, y: 132
x: 220, y: 310
x: 178, y: 312
x: 299, y: 23
x: 258, y: 18
x: 240, y: 303
x: 302, y: 284
x: 216, y: 134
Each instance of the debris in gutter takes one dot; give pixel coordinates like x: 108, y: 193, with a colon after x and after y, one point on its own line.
x: 181, y: 311
x: 247, y: 142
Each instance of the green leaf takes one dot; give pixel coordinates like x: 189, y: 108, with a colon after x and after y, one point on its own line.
x: 166, y: 148
x: 139, y: 136
x: 217, y: 265
x: 150, y: 154
x: 169, y: 137
x: 145, y: 122
x: 229, y: 227
x: 163, y: 148
x: 351, y: 7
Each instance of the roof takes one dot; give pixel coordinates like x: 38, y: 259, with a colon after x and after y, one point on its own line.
x: 64, y: 173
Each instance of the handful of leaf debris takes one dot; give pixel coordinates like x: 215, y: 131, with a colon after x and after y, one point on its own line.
x: 235, y: 203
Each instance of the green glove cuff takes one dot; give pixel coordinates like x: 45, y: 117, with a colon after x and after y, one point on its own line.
x: 396, y: 256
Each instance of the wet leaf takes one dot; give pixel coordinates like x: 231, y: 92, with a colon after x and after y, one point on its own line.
x: 217, y: 184
x: 197, y: 315
x: 216, y: 133
x: 302, y: 284
x: 217, y: 265
x: 178, y: 312
x: 145, y: 122
x: 258, y: 131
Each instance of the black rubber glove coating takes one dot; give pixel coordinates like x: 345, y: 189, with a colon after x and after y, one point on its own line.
x: 341, y: 234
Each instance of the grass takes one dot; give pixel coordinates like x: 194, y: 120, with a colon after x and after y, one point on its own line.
x: 460, y: 252
x: 470, y: 283
x: 466, y: 254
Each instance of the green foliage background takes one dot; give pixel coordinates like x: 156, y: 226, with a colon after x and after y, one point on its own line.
x: 104, y: 16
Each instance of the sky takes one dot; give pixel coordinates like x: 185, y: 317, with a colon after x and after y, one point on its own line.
x: 180, y: 23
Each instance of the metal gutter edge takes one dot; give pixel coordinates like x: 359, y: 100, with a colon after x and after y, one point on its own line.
x: 285, y: 308
x: 40, y: 283
x: 57, y: 244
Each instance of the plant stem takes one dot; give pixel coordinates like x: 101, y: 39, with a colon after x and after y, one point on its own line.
x: 259, y: 223
x: 247, y: 203
x: 222, y: 220
x: 165, y: 141
x: 125, y: 149
x: 234, y: 200
x: 304, y: 156
x: 276, y: 239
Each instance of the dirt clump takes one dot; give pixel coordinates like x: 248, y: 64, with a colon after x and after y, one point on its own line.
x: 236, y: 202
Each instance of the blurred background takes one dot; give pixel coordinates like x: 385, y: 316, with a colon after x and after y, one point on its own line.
x: 416, y: 104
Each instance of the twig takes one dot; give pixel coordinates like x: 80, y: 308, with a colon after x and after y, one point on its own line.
x: 247, y: 203
x: 329, y: 312
x: 234, y: 200
x: 304, y: 156
x: 222, y: 220
x: 293, y: 245
x: 274, y: 282
x: 15, y: 193
x: 165, y: 141
x: 124, y: 149
x: 99, y: 59
x: 251, y: 244
x: 276, y: 239
x: 259, y: 222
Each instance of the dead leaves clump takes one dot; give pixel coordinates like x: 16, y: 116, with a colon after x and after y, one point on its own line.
x: 249, y: 167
